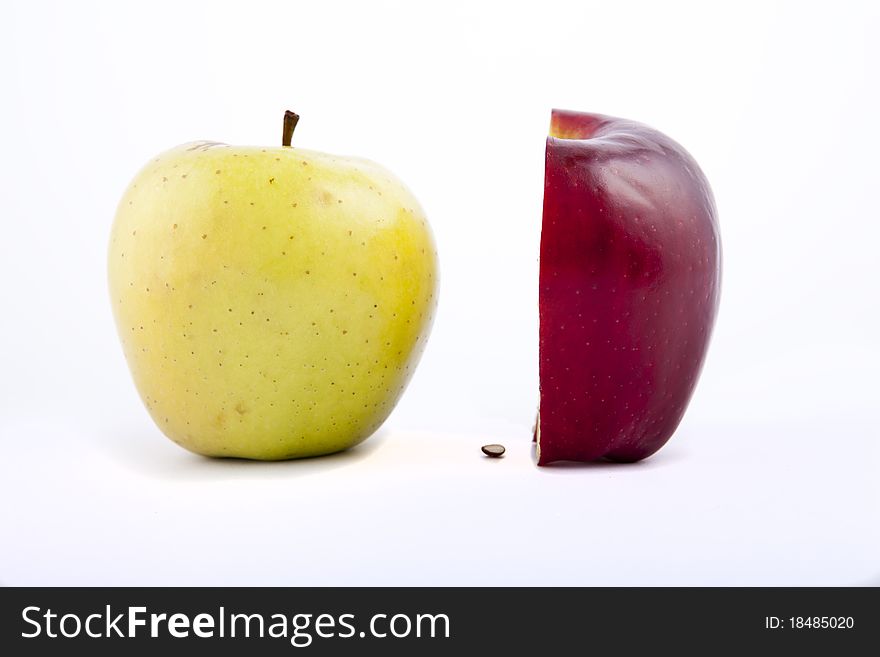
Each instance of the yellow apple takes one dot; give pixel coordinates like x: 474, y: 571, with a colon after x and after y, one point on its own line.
x: 272, y: 302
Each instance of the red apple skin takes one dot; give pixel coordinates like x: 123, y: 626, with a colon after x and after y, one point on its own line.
x: 629, y: 285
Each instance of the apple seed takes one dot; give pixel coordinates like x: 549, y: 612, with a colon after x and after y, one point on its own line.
x: 494, y: 451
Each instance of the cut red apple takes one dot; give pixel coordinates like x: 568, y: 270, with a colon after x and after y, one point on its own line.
x: 629, y: 286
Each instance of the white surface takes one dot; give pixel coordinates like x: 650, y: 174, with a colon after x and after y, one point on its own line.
x: 774, y: 476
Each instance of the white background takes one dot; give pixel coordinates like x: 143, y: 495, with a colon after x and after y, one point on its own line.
x: 774, y: 475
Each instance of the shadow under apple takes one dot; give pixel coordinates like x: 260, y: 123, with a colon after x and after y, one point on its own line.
x: 661, y: 459
x: 156, y: 457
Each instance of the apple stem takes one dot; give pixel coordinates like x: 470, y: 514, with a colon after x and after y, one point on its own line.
x: 290, y: 120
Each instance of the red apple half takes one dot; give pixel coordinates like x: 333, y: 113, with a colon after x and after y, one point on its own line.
x: 629, y: 285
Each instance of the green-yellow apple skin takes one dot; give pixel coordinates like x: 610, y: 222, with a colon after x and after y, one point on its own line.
x: 272, y: 303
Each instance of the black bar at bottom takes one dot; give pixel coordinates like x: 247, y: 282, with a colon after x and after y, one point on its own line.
x: 406, y: 621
